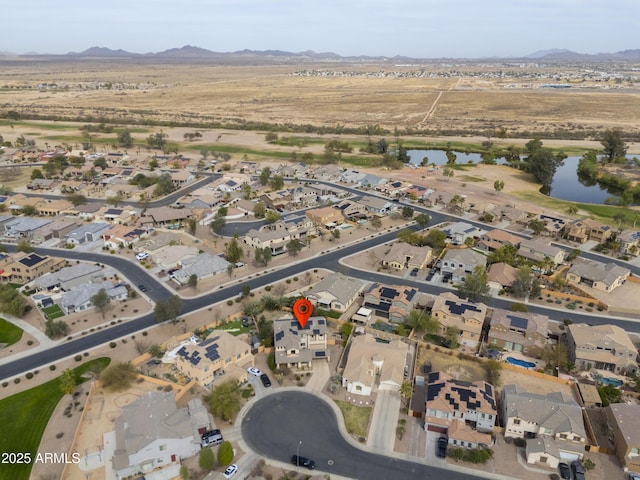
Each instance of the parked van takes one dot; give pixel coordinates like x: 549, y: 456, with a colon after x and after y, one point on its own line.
x: 141, y: 256
x: 211, y: 438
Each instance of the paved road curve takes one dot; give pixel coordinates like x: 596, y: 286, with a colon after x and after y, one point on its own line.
x: 275, y: 424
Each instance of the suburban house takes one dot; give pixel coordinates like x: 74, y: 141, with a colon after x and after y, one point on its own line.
x: 601, y: 276
x: 56, y: 229
x: 352, y: 210
x: 230, y: 186
x: 462, y: 405
x: 377, y: 205
x: 153, y: 433
x: 78, y: 298
x: 351, y: 176
x: 523, y: 332
x: 603, y: 347
x: 121, y: 236
x: 458, y: 232
x: 277, y: 235
x: 203, y: 265
x: 327, y: 217
x: 496, y: 239
x: 458, y: 262
x: 219, y: 357
x: 160, y: 216
x: 552, y: 425
x: 23, y: 227
x: 51, y: 208
x: 335, y: 292
x: 391, y: 302
x: 69, y: 277
x: 402, y: 255
x: 629, y: 241
x: 537, y: 250
x: 88, y: 232
x: 372, y: 181
x: 501, y: 276
x: 467, y: 317
x: 298, y: 347
x: 370, y: 361
x: 587, y: 229
x: 624, y: 426
x: 24, y: 267
x: 172, y: 256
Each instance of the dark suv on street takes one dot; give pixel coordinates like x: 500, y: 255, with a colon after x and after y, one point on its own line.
x: 300, y: 461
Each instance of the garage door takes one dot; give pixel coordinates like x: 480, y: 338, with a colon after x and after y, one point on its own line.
x: 437, y: 429
x: 569, y: 456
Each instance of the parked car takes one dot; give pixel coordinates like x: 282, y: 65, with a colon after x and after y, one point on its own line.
x: 231, y: 469
x: 264, y: 378
x: 211, y: 438
x: 578, y: 470
x: 634, y: 476
x: 254, y: 371
x: 141, y: 256
x: 565, y: 473
x: 142, y: 288
x: 442, y: 447
x: 300, y: 461
x: 414, y: 272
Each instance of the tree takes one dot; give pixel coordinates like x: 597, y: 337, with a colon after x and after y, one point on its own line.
x: 294, y: 247
x: 224, y: 401
x: 259, y: 210
x: 253, y: 308
x: 541, y: 162
x: 193, y: 281
x: 613, y: 145
x: 265, y: 175
x: 118, y: 377
x: 448, y: 173
x: 423, y: 220
x: 77, y: 199
x: 115, y: 200
x: 263, y: 256
x: 271, y: 216
x: 225, y: 453
x: 29, y: 210
x: 335, y: 233
x: 55, y: 328
x: 277, y: 183
x: 168, y: 309
x: 217, y: 225
x: 234, y: 251
x: 494, y: 368
x: 451, y: 336
x: 620, y: 218
x: 36, y: 173
x: 24, y: 245
x: 407, y: 212
x: 475, y: 286
x: 68, y: 382
x: 420, y: 322
x: 125, y: 139
x: 537, y: 226
x: 498, y: 185
x: 406, y: 390
x: 375, y: 222
x: 572, y: 210
x: 101, y: 301
x: 555, y: 356
x: 522, y: 283
x: 100, y: 162
x: 157, y: 140
x: 192, y: 225
x: 206, y: 459
x: 451, y: 157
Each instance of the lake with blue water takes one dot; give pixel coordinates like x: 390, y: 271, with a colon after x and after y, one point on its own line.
x: 565, y: 184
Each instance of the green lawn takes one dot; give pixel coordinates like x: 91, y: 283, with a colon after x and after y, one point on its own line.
x: 234, y: 328
x: 25, y: 415
x: 9, y: 333
x: 53, y: 312
x: 356, y: 419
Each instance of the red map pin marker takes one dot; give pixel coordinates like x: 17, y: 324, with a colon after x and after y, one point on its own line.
x: 302, y: 309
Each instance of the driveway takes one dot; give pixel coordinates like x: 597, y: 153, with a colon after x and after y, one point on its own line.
x: 320, y: 376
x: 384, y: 421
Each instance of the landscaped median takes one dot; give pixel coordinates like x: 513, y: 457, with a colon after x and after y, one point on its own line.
x: 9, y: 333
x: 25, y: 415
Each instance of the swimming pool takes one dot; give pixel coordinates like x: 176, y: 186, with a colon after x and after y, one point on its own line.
x: 607, y: 381
x: 520, y: 363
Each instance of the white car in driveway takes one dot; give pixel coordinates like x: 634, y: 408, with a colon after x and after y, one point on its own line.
x: 230, y: 471
x: 254, y: 371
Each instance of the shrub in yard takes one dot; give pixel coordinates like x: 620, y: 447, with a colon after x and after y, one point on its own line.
x: 78, y: 358
x: 225, y: 453
x: 229, y: 302
x: 112, y: 344
x: 29, y: 375
x: 456, y: 453
x: 520, y: 442
x: 52, y: 367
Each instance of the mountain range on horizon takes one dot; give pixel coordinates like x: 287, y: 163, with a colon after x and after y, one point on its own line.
x: 189, y: 52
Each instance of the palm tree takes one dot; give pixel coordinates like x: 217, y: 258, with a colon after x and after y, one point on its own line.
x: 421, y: 322
x: 406, y: 390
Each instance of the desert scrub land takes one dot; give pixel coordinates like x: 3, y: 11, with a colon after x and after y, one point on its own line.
x: 440, y: 100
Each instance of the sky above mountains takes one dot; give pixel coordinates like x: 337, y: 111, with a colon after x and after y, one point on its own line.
x: 414, y: 28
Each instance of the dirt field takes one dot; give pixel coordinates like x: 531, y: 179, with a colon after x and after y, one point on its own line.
x: 462, y: 98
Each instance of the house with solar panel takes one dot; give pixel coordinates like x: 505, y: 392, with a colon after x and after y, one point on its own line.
x: 457, y: 263
x: 298, y: 347
x: 523, y: 332
x: 465, y: 411
x: 218, y: 358
x: 391, y: 302
x: 468, y: 317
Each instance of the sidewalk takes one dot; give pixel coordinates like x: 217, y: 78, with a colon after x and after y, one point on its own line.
x: 36, y: 333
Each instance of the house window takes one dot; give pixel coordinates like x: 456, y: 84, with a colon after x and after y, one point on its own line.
x: 163, y: 448
x: 482, y: 415
x: 563, y: 436
x: 516, y: 421
x: 543, y: 459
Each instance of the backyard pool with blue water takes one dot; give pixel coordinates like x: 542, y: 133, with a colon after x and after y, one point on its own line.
x: 520, y: 363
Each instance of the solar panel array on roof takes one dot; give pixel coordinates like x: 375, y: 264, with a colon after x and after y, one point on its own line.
x: 386, y: 292
x: 410, y: 293
x: 460, y: 308
x: 31, y: 260
x: 320, y: 354
x: 321, y: 321
x: 316, y: 331
x: 279, y: 336
x: 518, y: 322
x: 212, y: 352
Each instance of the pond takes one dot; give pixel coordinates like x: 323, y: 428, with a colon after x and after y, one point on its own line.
x: 565, y: 185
